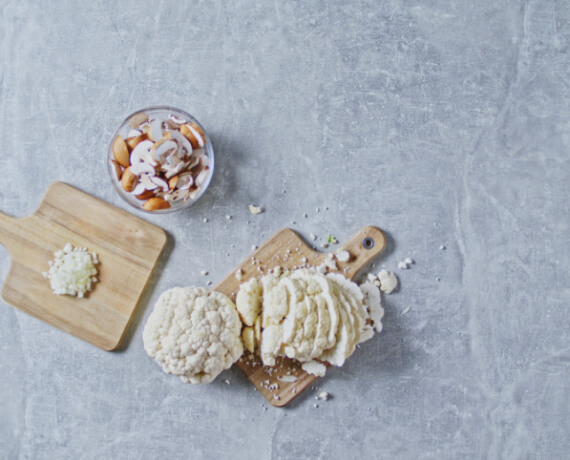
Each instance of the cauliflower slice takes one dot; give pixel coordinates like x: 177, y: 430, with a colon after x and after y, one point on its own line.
x: 248, y: 301
x: 193, y: 333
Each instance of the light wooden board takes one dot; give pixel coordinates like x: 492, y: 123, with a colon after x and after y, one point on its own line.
x: 286, y: 249
x: 128, y: 250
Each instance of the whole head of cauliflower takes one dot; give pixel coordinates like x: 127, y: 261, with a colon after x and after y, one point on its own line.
x: 193, y: 333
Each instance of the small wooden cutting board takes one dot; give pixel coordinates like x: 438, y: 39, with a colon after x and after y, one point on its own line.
x: 287, y: 250
x: 128, y: 249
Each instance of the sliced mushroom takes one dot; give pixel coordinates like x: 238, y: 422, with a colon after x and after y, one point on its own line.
x: 155, y: 132
x: 183, y: 142
x: 120, y: 151
x: 134, y: 133
x: 177, y: 120
x: 142, y: 153
x: 201, y: 178
x: 193, y: 135
x: 141, y: 168
x: 155, y: 203
x: 129, y: 180
x: 117, y: 168
x: 185, y: 181
x: 172, y: 171
x: 138, y: 189
x: 145, y: 195
x: 138, y: 119
x: 160, y: 183
x: 148, y: 184
x: 162, y: 149
x: 132, y: 142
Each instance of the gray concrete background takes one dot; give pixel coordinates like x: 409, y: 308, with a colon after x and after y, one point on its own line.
x: 442, y: 122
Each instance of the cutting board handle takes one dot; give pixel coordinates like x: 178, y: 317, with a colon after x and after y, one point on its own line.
x: 363, y: 247
x: 8, y: 231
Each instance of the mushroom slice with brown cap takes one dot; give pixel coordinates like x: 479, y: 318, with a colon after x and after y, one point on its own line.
x: 132, y: 142
x: 138, y: 119
x: 194, y: 134
x: 120, y: 151
x: 129, y: 180
x: 183, y: 142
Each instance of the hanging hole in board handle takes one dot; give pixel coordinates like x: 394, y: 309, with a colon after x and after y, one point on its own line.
x: 368, y: 243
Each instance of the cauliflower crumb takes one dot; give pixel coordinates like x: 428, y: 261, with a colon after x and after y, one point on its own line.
x: 239, y: 274
x: 288, y: 378
x: 343, y: 256
x: 255, y: 209
x: 313, y: 236
x: 388, y: 281
x: 314, y: 368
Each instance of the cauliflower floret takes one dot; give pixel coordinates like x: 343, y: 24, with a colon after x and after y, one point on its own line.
x: 193, y: 333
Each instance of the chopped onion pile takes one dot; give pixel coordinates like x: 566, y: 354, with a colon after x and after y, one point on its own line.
x: 72, y: 272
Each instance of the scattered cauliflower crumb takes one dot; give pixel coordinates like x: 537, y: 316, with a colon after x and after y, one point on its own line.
x: 288, y: 378
x: 403, y: 266
x: 324, y: 245
x: 313, y: 236
x: 205, y: 219
x: 228, y: 217
x: 323, y: 396
x: 314, y: 368
x: 204, y: 273
x: 343, y: 256
x: 388, y: 281
x: 409, y: 261
x: 255, y: 209
x: 72, y: 272
x: 239, y: 274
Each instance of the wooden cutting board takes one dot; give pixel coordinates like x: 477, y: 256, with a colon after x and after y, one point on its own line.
x: 128, y: 249
x: 286, y: 249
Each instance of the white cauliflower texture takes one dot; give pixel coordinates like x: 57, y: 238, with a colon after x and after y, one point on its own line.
x: 307, y: 315
x: 193, y: 333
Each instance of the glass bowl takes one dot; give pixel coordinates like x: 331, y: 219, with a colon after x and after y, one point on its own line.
x: 160, y: 160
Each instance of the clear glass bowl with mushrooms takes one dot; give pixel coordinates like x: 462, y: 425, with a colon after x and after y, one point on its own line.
x: 160, y: 159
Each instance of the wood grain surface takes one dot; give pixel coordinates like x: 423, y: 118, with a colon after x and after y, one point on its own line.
x: 127, y: 246
x: 286, y: 249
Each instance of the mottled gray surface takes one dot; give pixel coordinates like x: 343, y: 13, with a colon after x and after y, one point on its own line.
x: 444, y: 123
